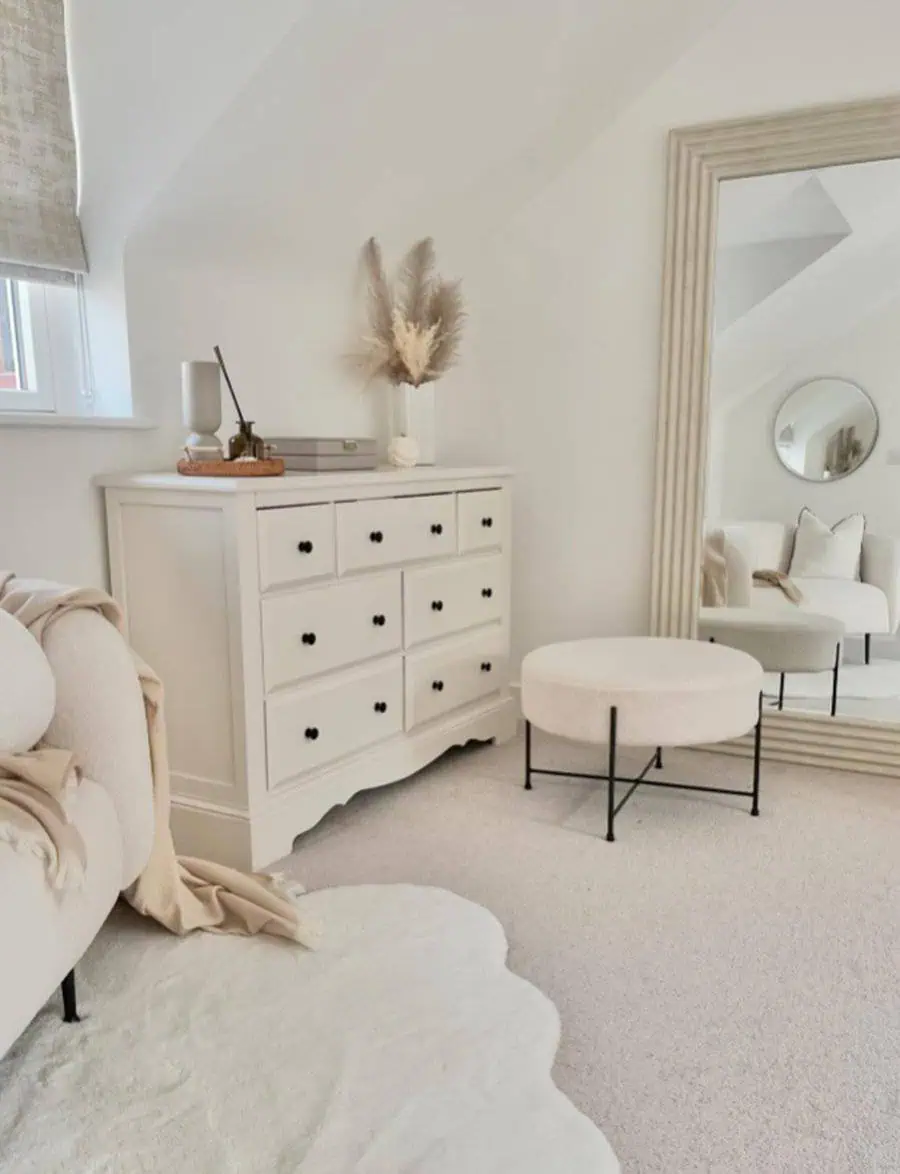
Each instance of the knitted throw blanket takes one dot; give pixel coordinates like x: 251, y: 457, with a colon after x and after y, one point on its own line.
x: 181, y: 893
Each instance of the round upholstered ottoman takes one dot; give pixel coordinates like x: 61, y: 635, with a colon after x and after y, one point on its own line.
x: 782, y: 641
x: 642, y: 691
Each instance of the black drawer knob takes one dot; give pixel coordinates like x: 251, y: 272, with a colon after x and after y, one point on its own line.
x: 311, y: 733
x: 308, y: 638
x: 437, y: 528
x: 438, y: 686
x: 376, y: 536
x: 487, y: 592
x: 381, y: 707
x: 378, y: 621
x: 487, y: 522
x: 437, y: 605
x: 486, y: 666
x: 305, y: 547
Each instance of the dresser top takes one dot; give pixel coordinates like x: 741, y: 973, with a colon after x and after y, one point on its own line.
x: 386, y: 476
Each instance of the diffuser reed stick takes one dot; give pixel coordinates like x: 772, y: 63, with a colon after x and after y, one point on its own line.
x: 237, y: 407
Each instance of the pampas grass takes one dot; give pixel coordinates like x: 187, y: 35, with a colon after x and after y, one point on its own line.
x: 415, y: 327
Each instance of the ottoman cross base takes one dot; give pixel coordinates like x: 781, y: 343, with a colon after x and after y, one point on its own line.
x: 612, y: 777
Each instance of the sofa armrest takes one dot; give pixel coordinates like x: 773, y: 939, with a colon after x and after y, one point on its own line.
x: 880, y: 567
x: 100, y: 715
x: 738, y: 576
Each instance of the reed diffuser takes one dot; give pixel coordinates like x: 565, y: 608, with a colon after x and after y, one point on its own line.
x: 245, y: 444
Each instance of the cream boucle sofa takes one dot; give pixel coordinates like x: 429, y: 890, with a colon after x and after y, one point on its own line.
x: 100, y: 714
x: 867, y: 606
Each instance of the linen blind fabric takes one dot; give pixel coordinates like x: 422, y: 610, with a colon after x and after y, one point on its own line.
x: 40, y: 237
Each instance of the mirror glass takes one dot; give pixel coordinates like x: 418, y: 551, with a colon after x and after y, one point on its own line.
x: 825, y: 429
x: 802, y: 522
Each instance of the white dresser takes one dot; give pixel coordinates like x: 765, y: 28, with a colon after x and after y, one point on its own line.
x: 317, y: 634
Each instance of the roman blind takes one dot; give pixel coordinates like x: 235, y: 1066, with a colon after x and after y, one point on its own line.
x: 40, y: 237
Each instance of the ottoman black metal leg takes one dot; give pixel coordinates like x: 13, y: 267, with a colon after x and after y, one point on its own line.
x: 868, y: 647
x: 781, y: 692
x: 611, y: 793
x: 527, y: 755
x: 757, y: 752
x: 834, y: 679
x: 658, y: 762
x: 70, y: 1006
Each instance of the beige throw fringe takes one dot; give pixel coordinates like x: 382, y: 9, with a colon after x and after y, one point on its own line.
x: 181, y: 893
x: 779, y: 579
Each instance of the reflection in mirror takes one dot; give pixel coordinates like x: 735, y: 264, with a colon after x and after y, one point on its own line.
x: 801, y: 560
x: 825, y: 429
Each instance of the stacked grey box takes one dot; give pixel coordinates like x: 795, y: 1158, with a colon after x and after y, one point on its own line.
x: 313, y: 454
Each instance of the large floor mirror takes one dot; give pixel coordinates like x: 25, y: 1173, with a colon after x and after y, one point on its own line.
x: 778, y: 511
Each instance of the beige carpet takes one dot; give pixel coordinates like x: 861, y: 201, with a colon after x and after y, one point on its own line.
x: 729, y: 987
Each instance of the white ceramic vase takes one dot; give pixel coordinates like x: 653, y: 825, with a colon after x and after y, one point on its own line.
x: 201, y: 407
x: 412, y: 415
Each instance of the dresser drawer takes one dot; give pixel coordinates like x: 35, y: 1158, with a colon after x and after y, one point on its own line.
x: 459, y: 672
x: 324, y: 628
x: 482, y: 520
x: 451, y: 597
x: 395, y: 530
x: 321, y: 723
x: 295, y: 544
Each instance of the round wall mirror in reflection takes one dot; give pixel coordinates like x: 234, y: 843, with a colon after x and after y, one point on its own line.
x: 825, y: 429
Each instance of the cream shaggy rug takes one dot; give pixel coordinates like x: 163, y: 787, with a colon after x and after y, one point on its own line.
x: 729, y: 987
x: 403, y: 1044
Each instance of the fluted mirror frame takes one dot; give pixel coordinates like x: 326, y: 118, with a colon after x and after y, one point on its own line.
x: 700, y: 157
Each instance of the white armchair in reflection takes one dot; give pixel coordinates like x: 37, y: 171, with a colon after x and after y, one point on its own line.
x: 867, y: 606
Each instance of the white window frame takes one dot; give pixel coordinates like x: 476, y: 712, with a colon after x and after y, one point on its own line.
x: 53, y: 343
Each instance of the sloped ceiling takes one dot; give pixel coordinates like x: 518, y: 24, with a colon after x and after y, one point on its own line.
x: 397, y: 117
x: 831, y: 284
x: 148, y: 78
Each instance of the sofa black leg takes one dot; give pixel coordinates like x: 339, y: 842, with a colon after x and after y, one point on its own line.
x: 70, y: 1007
x: 868, y: 639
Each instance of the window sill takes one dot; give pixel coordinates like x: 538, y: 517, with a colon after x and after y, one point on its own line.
x: 52, y: 420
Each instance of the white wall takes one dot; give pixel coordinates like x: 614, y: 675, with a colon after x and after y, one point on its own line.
x: 559, y: 240
x: 754, y: 485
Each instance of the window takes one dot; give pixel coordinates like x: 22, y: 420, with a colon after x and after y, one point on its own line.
x: 44, y: 356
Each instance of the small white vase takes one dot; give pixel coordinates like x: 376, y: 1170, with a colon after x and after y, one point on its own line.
x: 201, y: 406
x: 412, y: 414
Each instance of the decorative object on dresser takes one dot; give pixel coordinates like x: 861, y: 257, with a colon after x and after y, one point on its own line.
x: 316, y: 454
x: 414, y: 332
x: 245, y: 444
x: 248, y: 454
x: 201, y: 405
x: 328, y: 634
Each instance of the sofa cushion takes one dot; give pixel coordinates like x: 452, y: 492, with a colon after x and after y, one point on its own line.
x: 827, y: 552
x: 27, y: 688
